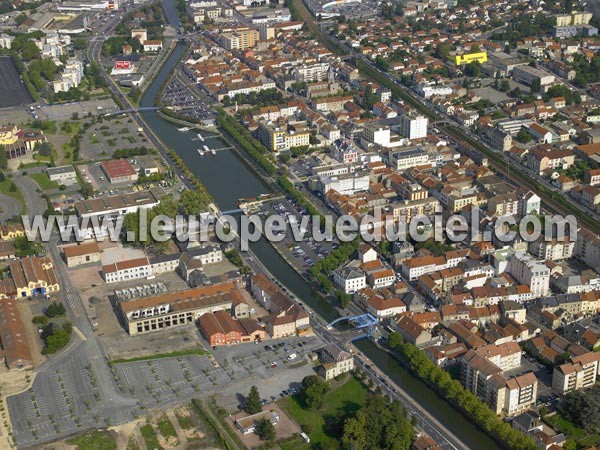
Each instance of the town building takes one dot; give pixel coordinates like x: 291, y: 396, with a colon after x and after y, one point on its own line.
x: 63, y: 174
x: 349, y: 279
x: 13, y: 337
x: 85, y: 253
x: 29, y: 277
x: 131, y: 269
x: 148, y: 314
x: 119, y: 205
x: 579, y: 373
x: 119, y: 171
x: 334, y: 362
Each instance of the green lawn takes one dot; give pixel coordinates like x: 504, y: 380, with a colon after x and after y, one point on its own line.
x: 150, y: 437
x: 166, y: 428
x: 192, y: 351
x: 325, y: 425
x: 94, y: 440
x: 5, y: 188
x: 185, y: 422
x: 572, y: 431
x: 43, y: 181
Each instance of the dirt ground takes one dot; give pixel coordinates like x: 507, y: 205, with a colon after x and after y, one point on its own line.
x: 285, y: 428
x: 11, y: 382
x: 195, y: 437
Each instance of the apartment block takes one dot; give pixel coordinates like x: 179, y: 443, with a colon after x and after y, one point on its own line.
x: 580, y: 373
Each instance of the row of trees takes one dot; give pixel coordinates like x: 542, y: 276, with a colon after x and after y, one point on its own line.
x: 289, y: 188
x: 320, y: 271
x: 460, y: 397
x: 246, y: 141
x: 265, y: 97
x: 129, y: 152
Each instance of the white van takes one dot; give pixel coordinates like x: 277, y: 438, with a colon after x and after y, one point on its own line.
x: 292, y: 356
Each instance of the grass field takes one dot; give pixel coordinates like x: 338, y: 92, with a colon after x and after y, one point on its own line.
x: 572, y: 431
x: 193, y: 351
x: 94, y: 440
x: 325, y: 425
x: 150, y: 437
x: 43, y: 181
x: 166, y: 428
x: 5, y: 188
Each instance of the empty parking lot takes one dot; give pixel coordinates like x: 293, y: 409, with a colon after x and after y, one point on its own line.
x: 12, y: 90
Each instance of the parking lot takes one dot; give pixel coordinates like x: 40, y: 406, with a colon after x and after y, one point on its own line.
x: 178, y: 95
x: 82, y: 108
x: 73, y: 398
x: 102, y: 139
x: 59, y: 402
x: 12, y: 90
x: 303, y: 253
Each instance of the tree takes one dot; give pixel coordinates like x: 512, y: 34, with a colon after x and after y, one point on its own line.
x: 342, y: 298
x: 265, y: 429
x: 442, y: 51
x: 473, y: 69
x: 313, y: 389
x: 379, y: 424
x: 253, y: 404
x: 536, y: 85
x: 582, y: 407
x: 44, y: 148
x: 25, y: 247
x: 395, y: 340
x: 86, y: 190
x: 193, y: 202
x: 55, y: 309
x: 523, y: 136
x: 20, y: 19
x: 3, y: 158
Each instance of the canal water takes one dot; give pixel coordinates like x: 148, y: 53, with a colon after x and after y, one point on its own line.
x: 228, y: 178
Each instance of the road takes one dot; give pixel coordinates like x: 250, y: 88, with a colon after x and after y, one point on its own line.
x: 9, y: 207
x: 36, y: 205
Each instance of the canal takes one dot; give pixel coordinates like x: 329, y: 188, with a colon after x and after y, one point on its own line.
x: 228, y: 178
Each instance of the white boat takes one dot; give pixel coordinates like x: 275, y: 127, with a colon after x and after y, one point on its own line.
x: 200, y: 137
x: 206, y: 149
x: 200, y: 152
x: 183, y: 129
x: 213, y: 152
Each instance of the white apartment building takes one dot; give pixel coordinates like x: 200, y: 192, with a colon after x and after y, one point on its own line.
x: 580, y: 373
x: 6, y: 41
x: 413, y: 126
x: 532, y: 272
x: 413, y: 268
x: 407, y: 159
x: 552, y: 250
x: 376, y: 134
x: 349, y: 279
x: 309, y: 73
x: 131, y: 269
x: 529, y: 203
x: 70, y: 77
x: 348, y: 184
x: 506, y: 356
